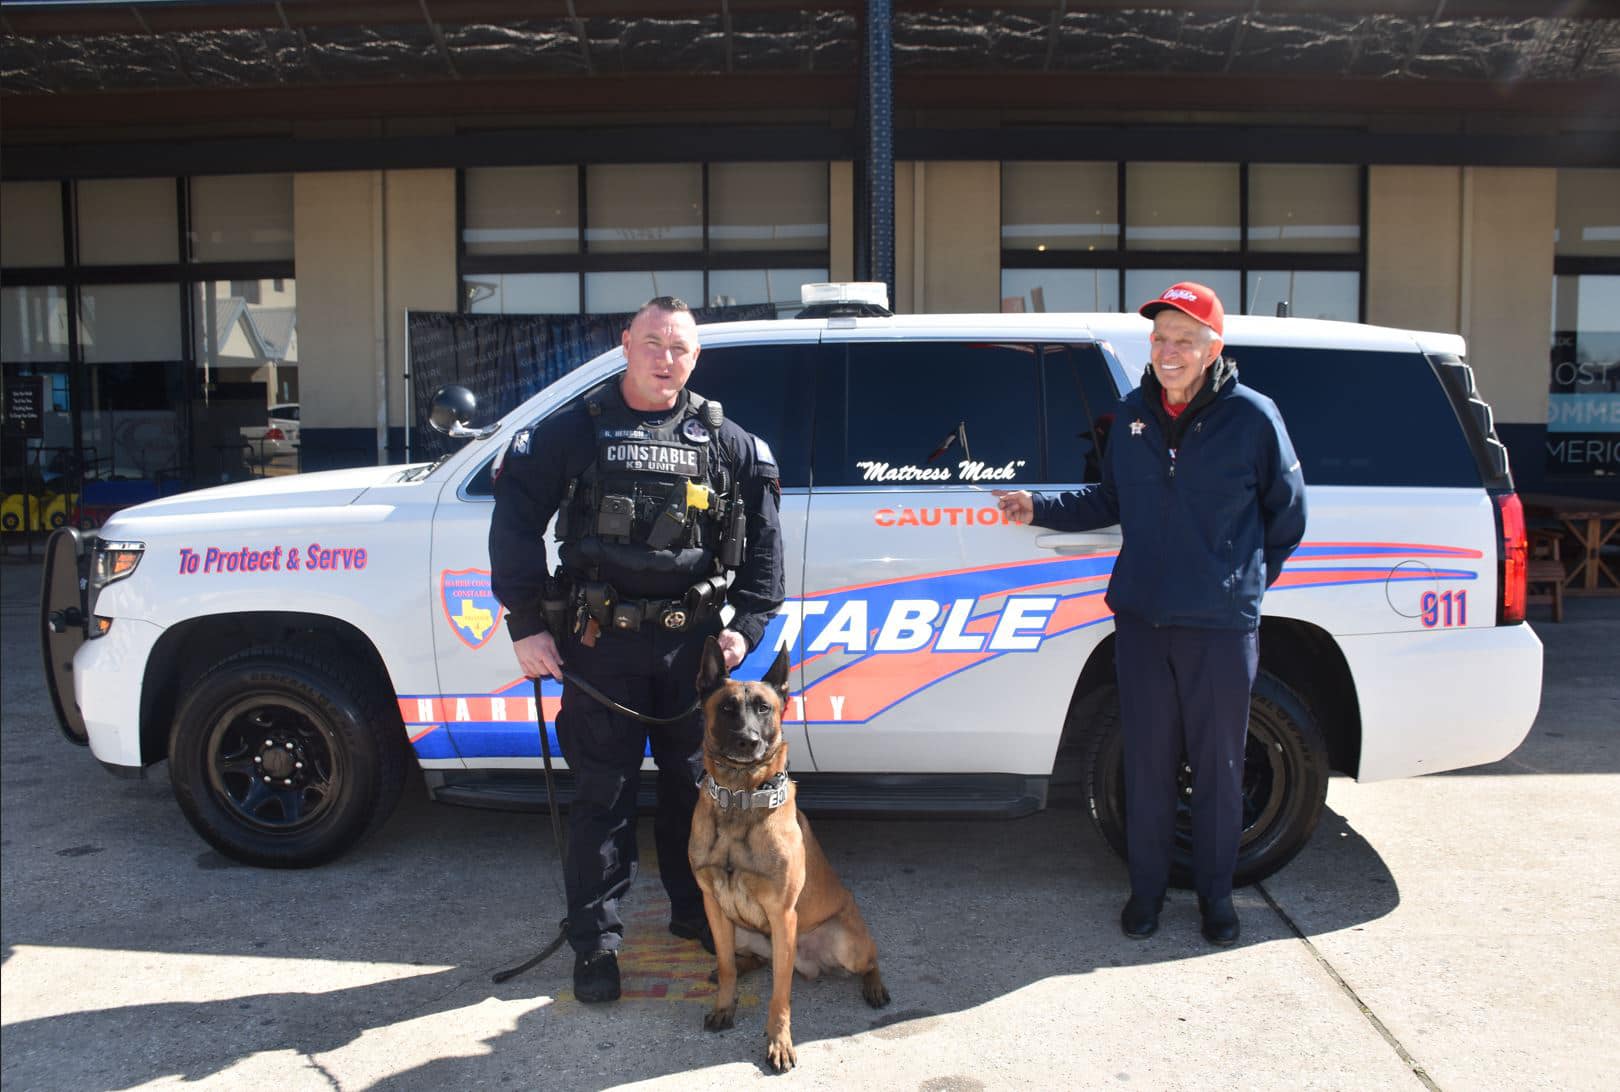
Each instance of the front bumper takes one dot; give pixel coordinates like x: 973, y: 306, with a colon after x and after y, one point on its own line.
x: 108, y: 674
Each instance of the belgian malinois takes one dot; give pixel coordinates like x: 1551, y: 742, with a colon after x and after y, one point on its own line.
x: 769, y: 890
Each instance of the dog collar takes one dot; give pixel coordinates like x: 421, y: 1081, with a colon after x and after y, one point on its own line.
x: 772, y: 794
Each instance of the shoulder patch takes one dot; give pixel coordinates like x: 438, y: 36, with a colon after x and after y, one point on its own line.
x: 762, y: 452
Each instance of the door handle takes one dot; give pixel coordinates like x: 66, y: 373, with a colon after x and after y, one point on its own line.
x: 1079, y: 543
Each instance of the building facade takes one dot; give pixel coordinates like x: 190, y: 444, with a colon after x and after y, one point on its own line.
x: 217, y: 215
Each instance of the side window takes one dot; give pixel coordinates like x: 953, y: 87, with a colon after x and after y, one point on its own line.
x: 919, y: 413
x: 1080, y: 402
x: 1362, y: 418
x: 763, y: 388
x: 766, y: 390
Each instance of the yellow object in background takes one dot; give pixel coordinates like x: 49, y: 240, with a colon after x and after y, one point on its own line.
x: 697, y: 496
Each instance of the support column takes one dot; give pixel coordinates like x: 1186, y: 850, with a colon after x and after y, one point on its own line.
x: 874, y: 243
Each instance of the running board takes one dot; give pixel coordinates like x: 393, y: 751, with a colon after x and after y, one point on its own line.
x: 990, y: 796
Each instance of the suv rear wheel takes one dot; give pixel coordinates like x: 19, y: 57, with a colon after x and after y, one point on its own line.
x: 282, y: 759
x: 1285, y: 773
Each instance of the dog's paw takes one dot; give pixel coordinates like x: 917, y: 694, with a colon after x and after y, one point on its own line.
x: 720, y: 1019
x: 780, y: 1053
x: 873, y: 990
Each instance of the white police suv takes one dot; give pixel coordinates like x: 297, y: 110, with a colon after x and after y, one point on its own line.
x: 290, y: 644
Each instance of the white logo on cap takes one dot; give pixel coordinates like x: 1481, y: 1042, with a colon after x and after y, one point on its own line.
x: 1180, y: 294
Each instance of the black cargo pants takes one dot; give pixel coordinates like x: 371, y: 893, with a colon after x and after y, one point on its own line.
x: 653, y: 671
x: 1183, y: 691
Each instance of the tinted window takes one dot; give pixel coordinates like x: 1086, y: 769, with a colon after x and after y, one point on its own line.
x: 1362, y: 418
x: 1080, y: 400
x: 766, y: 390
x: 930, y: 413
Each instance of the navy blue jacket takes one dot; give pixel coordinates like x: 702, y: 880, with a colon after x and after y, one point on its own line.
x: 1209, y: 504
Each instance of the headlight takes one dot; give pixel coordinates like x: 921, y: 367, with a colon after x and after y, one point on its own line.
x: 113, y: 561
x: 110, y: 562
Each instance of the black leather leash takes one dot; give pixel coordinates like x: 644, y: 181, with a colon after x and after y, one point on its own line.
x: 556, y: 833
x: 551, y: 798
x: 569, y: 676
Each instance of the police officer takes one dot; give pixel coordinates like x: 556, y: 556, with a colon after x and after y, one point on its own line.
x: 1202, y: 479
x: 656, y: 497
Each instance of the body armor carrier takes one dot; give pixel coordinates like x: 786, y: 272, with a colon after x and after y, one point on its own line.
x: 646, y: 532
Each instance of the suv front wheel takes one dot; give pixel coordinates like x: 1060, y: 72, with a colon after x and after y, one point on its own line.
x: 1285, y: 774
x: 282, y: 759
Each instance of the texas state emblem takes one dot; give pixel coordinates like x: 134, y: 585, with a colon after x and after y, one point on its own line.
x: 469, y: 605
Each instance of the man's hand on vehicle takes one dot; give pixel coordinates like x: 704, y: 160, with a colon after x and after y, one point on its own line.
x: 734, y: 646
x: 1016, y: 504
x: 538, y: 656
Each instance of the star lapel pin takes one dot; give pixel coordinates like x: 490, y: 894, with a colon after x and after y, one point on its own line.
x: 1136, y: 427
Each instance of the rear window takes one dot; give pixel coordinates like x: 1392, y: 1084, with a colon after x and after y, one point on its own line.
x: 1362, y: 418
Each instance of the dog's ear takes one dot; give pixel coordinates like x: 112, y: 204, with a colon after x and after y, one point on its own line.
x: 712, y: 672
x: 777, y: 676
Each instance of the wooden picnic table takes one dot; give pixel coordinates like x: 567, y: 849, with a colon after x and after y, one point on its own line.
x: 1592, y: 524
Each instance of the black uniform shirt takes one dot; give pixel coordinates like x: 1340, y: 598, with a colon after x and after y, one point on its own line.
x: 535, y: 470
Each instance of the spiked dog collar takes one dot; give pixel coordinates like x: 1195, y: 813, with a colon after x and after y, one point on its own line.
x: 773, y: 793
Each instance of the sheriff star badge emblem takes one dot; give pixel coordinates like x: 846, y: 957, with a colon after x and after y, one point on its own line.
x: 1136, y: 427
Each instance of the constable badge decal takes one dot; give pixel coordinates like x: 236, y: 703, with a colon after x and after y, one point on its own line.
x: 470, y: 605
x: 1136, y: 427
x: 520, y: 443
x: 693, y: 430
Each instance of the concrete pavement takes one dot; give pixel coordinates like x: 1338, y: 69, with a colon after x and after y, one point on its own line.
x: 1458, y: 931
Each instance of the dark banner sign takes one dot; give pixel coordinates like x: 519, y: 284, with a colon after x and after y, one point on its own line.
x: 504, y: 359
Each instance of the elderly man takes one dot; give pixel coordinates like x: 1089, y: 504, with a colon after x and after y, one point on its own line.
x: 1202, y: 479
x: 657, y: 497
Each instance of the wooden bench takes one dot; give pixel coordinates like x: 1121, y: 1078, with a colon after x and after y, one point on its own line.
x: 1546, y: 570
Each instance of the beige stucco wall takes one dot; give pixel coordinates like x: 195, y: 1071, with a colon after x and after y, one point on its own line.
x: 947, y: 237
x: 1507, y: 299
x: 841, y: 221
x: 1469, y: 250
x: 1414, y: 240
x: 334, y: 244
x: 353, y: 294
x: 421, y: 265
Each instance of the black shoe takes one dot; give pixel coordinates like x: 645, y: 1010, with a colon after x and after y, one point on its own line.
x: 1140, y: 918
x: 596, y: 976
x: 693, y: 929
x: 1220, y: 921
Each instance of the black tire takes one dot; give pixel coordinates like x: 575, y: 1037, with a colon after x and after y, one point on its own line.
x: 324, y: 735
x: 1285, y: 775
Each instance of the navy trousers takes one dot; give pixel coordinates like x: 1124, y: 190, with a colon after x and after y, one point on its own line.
x: 1183, y: 691
x: 654, y: 672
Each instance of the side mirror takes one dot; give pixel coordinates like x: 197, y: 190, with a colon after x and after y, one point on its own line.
x: 451, y: 410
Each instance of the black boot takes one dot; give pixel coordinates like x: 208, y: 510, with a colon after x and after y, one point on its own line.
x: 1140, y: 918
x: 1220, y: 921
x: 694, y: 929
x: 596, y: 976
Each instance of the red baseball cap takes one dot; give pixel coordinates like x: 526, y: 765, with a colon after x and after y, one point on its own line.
x: 1194, y: 299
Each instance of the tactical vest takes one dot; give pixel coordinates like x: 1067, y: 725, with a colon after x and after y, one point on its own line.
x: 647, y: 516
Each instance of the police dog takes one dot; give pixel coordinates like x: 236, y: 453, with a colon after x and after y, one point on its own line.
x: 769, y: 890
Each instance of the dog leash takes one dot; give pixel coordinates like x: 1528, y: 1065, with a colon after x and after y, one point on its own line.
x: 556, y: 833
x: 593, y: 692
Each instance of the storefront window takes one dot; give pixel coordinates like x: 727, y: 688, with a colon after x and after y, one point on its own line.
x: 768, y: 206
x: 240, y: 218
x: 608, y: 293
x: 129, y: 322
x: 1142, y: 285
x: 33, y: 323
x: 728, y: 287
x: 30, y: 224
x: 1181, y: 206
x: 1308, y: 294
x: 1304, y: 208
x: 128, y: 221
x: 245, y: 339
x: 522, y: 293
x: 522, y: 210
x: 1038, y: 290
x: 643, y: 207
x: 1583, y: 403
x: 1059, y: 206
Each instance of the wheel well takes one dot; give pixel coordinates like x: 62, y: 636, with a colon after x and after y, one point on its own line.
x: 1303, y: 656
x: 190, y: 648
